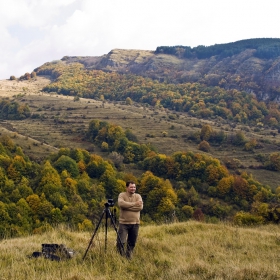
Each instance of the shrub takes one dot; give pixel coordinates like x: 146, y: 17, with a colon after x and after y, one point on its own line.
x: 244, y: 218
x: 188, y: 211
x: 198, y: 215
x: 204, y: 146
x: 104, y: 147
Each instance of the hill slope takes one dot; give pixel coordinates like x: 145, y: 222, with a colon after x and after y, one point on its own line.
x: 62, y: 121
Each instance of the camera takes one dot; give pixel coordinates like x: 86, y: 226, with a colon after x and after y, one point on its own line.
x: 109, y: 203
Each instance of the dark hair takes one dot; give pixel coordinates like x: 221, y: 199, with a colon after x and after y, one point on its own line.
x: 129, y: 182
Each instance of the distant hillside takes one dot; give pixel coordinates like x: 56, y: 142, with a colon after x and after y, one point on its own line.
x: 251, y: 65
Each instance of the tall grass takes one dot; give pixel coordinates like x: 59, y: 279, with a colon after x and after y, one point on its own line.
x: 190, y: 250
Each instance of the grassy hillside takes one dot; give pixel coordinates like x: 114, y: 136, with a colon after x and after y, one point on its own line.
x: 61, y: 122
x: 189, y: 250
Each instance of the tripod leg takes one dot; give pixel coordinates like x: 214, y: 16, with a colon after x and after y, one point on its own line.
x: 94, y: 234
x: 106, y: 228
x: 119, y: 241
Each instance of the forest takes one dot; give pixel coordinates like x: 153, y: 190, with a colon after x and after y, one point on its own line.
x: 265, y: 48
x: 72, y: 185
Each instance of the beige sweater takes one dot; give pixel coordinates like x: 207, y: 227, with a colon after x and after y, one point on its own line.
x: 129, y: 212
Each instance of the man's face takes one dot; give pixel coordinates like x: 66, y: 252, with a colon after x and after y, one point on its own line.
x: 131, y: 188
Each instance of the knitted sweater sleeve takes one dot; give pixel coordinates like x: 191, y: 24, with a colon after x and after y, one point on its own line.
x: 129, y: 205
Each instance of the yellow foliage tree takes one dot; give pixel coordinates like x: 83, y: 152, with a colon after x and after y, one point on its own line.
x: 225, y: 185
x: 206, y: 132
x: 34, y: 202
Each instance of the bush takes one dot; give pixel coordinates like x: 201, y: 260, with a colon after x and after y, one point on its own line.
x: 198, y: 215
x: 244, y: 218
x: 204, y: 146
x: 188, y: 211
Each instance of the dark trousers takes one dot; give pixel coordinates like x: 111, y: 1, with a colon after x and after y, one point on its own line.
x: 128, y: 235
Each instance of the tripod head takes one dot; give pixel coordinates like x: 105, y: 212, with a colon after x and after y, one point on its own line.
x: 109, y: 203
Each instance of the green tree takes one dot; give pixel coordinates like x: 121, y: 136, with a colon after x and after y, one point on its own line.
x: 239, y: 139
x: 76, y: 211
x: 24, y: 216
x: 192, y: 196
x: 56, y: 216
x: 44, y: 209
x: 93, y: 129
x: 67, y: 163
x: 188, y: 211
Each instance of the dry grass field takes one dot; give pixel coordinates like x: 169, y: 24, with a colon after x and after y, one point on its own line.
x: 61, y: 122
x: 190, y: 250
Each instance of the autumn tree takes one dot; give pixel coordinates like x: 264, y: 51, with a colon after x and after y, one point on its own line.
x: 159, y: 196
x: 225, y: 186
x: 215, y: 172
x: 50, y: 182
x: 206, y: 132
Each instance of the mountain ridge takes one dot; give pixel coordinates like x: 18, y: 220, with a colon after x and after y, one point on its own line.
x: 253, y: 68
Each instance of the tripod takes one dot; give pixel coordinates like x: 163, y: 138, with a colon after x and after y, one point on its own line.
x: 107, y: 214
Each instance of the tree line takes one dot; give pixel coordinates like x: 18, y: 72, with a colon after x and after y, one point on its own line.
x: 12, y: 110
x: 267, y: 48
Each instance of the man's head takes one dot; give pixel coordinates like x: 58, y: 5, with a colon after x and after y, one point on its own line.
x: 130, y: 187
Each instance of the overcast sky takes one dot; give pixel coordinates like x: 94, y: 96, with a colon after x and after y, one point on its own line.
x: 33, y: 32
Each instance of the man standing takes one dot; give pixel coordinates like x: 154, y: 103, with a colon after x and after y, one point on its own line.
x: 130, y: 204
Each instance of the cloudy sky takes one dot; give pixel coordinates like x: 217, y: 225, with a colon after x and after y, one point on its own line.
x: 33, y: 32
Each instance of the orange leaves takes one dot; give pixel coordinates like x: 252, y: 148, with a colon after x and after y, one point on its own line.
x: 225, y: 185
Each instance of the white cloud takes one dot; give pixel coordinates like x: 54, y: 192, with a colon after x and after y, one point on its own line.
x: 36, y: 31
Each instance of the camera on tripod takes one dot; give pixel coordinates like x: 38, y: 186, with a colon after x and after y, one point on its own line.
x: 109, y: 203
x: 108, y: 214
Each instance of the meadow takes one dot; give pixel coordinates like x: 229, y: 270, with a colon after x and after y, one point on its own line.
x: 190, y: 250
